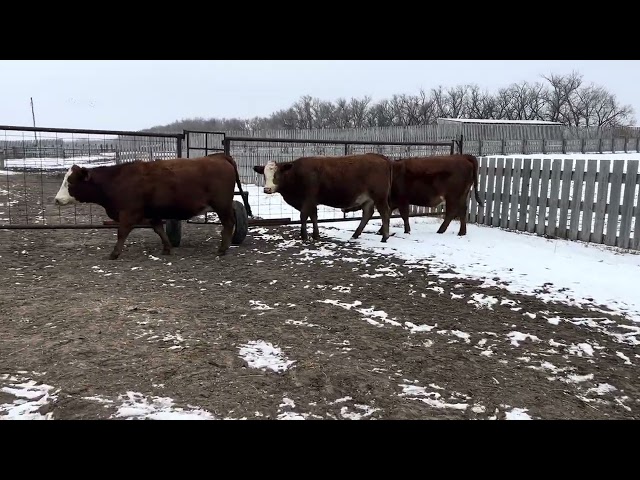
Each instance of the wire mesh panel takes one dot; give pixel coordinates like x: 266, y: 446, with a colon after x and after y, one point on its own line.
x: 249, y: 152
x: 34, y: 161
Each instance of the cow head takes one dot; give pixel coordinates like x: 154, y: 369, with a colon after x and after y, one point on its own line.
x: 272, y: 174
x: 75, y: 186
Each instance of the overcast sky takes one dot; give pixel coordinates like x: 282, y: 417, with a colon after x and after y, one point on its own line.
x: 135, y: 94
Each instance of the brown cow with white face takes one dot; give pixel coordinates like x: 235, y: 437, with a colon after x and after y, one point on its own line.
x: 429, y: 181
x: 350, y: 183
x: 176, y: 189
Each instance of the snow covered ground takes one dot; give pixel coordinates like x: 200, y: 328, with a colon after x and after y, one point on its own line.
x: 576, y: 273
x: 55, y: 163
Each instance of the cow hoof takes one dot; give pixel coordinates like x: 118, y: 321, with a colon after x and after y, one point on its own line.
x: 221, y: 253
x: 113, y: 256
x: 460, y: 234
x: 166, y: 252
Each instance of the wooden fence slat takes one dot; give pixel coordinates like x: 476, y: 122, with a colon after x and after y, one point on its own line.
x: 506, y: 195
x: 636, y: 229
x: 497, y: 202
x: 556, y: 172
x: 601, y: 203
x: 589, y: 194
x: 534, y: 197
x: 613, y: 209
x: 473, y: 205
x: 515, y: 194
x: 627, y: 203
x: 576, y: 199
x: 567, y: 172
x: 543, y: 202
x: 483, y: 188
x: 491, y: 177
x: 524, y: 195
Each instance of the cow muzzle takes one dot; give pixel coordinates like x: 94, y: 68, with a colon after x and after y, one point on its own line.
x: 268, y: 190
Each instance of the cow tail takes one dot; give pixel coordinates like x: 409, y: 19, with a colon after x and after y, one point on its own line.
x: 235, y: 167
x: 390, y: 182
x: 474, y: 162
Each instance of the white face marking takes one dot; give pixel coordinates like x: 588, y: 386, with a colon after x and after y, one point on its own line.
x: 269, y: 174
x: 63, y: 197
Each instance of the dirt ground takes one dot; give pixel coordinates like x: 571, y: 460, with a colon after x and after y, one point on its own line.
x: 107, y: 334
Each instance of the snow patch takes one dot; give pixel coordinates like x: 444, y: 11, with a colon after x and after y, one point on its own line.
x: 30, y: 395
x: 264, y: 356
x: 136, y: 406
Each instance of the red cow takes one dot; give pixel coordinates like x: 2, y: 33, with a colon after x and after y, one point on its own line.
x: 177, y: 189
x: 351, y: 182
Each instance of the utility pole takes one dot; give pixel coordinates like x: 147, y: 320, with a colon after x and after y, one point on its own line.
x: 33, y: 115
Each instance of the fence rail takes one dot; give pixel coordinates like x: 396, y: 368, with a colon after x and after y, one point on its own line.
x: 593, y: 200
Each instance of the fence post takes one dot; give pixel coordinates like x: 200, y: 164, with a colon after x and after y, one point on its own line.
x: 583, y: 145
x: 461, y: 144
x: 626, y: 142
x: 480, y: 151
x: 503, y: 147
x: 544, y: 146
x: 564, y: 146
x: 524, y: 146
x: 179, y: 146
x: 600, y: 145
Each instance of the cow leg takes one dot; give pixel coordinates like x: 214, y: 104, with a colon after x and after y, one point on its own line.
x: 391, y: 209
x: 367, y: 213
x: 124, y: 229
x: 228, y: 221
x: 303, y: 225
x: 314, y: 219
x: 463, y: 219
x: 166, y: 244
x: 308, y: 210
x: 404, y: 213
x: 450, y: 214
x: 385, y: 213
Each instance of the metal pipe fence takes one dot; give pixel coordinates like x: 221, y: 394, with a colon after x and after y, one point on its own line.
x: 34, y: 160
x: 272, y: 210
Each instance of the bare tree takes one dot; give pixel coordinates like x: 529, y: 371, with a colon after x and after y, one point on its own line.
x: 359, y: 109
x: 559, y: 97
x: 562, y: 98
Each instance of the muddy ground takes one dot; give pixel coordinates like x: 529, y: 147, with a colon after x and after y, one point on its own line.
x: 362, y: 335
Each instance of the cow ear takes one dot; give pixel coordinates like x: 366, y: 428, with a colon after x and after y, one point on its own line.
x: 85, y: 174
x: 259, y: 169
x: 285, y: 166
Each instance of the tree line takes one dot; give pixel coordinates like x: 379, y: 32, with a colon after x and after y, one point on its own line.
x: 564, y: 98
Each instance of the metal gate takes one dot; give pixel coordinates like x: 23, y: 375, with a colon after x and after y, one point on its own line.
x: 272, y: 210
x: 33, y: 162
